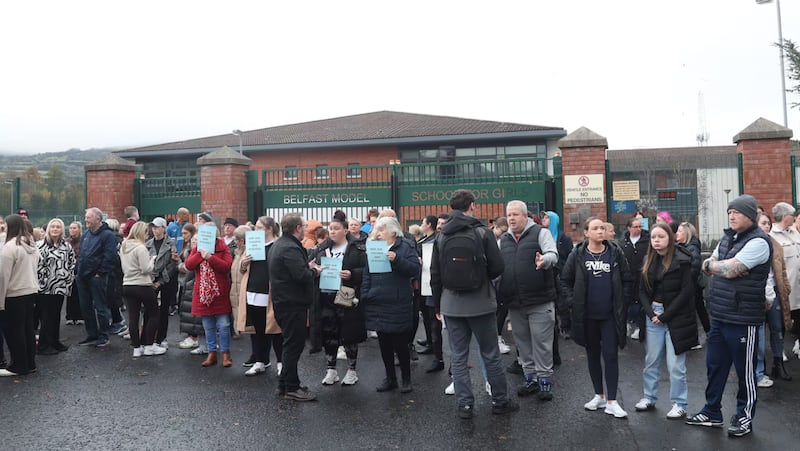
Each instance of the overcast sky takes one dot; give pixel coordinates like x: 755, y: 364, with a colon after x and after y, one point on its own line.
x: 84, y: 74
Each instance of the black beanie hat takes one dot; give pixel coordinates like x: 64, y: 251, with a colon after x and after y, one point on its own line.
x: 746, y: 205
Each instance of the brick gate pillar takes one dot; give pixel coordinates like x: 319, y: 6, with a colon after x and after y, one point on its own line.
x: 766, y: 162
x: 109, y: 185
x: 583, y: 161
x: 223, y: 184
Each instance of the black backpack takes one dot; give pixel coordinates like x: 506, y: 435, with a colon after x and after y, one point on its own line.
x: 462, y: 260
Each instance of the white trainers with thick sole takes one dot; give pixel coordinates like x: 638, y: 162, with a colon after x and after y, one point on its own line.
x: 488, y: 388
x: 613, y: 408
x: 278, y: 368
x: 256, y: 369
x: 340, y: 354
x: 765, y: 382
x: 350, y: 378
x: 200, y: 350
x: 504, y: 348
x: 451, y: 389
x: 154, y: 350
x: 595, y: 403
x: 331, y: 377
x: 676, y: 412
x: 188, y: 343
x: 137, y: 352
x: 644, y: 404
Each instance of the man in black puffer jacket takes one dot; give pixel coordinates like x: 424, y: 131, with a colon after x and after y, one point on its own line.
x: 740, y: 265
x: 634, y: 245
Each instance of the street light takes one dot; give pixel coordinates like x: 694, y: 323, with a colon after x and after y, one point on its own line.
x: 727, y: 195
x: 11, y: 182
x: 780, y: 48
x: 238, y: 133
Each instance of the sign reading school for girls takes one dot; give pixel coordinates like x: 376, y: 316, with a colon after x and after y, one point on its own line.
x: 485, y: 193
x: 584, y: 189
x: 337, y: 198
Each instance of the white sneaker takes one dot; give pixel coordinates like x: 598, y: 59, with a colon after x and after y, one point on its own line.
x: 154, y: 350
x: 676, y: 412
x: 279, y: 368
x: 644, y: 404
x: 256, y: 369
x: 127, y: 336
x: 350, y: 378
x: 596, y: 403
x: 785, y: 359
x: 188, y: 343
x: 765, y: 382
x: 372, y: 334
x: 200, y: 350
x: 488, y: 388
x: 137, y: 352
x: 796, y: 348
x: 634, y: 336
x: 451, y: 389
x: 164, y: 344
x: 504, y: 348
x: 331, y: 377
x: 629, y: 329
x: 340, y: 354
x: 613, y: 408
x: 696, y: 347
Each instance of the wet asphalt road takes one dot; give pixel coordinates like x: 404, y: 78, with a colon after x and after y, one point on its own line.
x: 90, y: 398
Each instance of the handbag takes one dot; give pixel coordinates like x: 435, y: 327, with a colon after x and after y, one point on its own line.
x: 346, y: 297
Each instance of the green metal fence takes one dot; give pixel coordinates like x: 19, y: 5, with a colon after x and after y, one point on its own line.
x: 159, y: 196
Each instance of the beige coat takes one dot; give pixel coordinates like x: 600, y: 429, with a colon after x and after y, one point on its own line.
x: 236, y: 284
x: 240, y: 320
x: 782, y: 286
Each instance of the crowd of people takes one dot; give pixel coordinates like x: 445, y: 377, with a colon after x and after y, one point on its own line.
x: 334, y: 286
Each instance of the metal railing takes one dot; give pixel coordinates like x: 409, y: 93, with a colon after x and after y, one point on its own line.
x: 169, y: 187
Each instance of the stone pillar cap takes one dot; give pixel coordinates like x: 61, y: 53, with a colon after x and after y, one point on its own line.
x: 223, y: 155
x: 582, y: 137
x: 111, y: 162
x: 763, y: 129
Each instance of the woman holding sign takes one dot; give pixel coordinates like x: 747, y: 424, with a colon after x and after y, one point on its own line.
x: 343, y: 259
x: 255, y: 313
x: 211, y: 261
x: 387, y: 294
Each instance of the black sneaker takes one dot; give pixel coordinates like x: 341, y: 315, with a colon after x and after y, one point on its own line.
x: 738, y: 428
x: 545, y: 389
x: 405, y: 387
x: 88, y: 341
x: 425, y: 350
x: 466, y: 412
x: 301, y: 394
x: 436, y: 365
x: 701, y: 419
x: 514, y: 368
x: 504, y: 408
x: 250, y: 362
x: 528, y: 388
x: 386, y: 385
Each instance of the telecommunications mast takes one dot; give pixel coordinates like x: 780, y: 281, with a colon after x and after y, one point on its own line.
x: 702, y: 131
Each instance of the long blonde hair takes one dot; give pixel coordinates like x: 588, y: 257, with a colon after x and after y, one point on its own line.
x: 137, y: 233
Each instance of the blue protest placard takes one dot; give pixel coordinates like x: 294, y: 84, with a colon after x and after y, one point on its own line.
x: 377, y: 260
x: 206, y: 238
x: 329, y: 278
x: 254, y: 243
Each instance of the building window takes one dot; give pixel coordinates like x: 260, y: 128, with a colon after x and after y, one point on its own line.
x: 353, y: 171
x: 322, y: 171
x: 290, y: 173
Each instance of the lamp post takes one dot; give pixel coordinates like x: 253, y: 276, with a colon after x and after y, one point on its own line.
x: 11, y: 190
x: 727, y: 196
x: 780, y: 48
x: 238, y: 133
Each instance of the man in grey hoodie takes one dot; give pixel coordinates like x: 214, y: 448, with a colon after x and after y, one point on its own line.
x: 470, y: 312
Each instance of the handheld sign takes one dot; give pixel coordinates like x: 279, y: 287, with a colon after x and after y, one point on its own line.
x: 206, y: 238
x: 376, y: 256
x: 254, y: 243
x: 329, y: 279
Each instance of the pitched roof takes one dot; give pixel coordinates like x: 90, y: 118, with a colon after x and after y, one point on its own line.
x: 381, y: 125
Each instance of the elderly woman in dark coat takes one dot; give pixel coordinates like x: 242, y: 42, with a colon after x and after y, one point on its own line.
x: 389, y: 305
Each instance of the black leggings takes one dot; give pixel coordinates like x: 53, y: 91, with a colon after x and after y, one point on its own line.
x: 261, y: 341
x: 50, y: 326
x: 332, y: 350
x: 390, y: 345
x: 601, y: 339
x: 135, y: 298
x: 502, y: 313
x: 436, y: 333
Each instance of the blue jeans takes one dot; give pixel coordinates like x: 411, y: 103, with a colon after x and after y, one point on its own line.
x: 94, y: 306
x: 658, y: 341
x: 460, y: 331
x: 218, y: 324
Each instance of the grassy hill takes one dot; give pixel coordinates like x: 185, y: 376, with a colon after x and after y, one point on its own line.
x: 71, y: 161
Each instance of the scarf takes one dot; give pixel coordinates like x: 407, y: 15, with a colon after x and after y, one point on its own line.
x: 209, y: 288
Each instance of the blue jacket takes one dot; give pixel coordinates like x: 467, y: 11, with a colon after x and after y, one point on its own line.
x: 387, y: 296
x: 98, y: 252
x: 740, y: 300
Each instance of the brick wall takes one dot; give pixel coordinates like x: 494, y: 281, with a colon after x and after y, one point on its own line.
x: 366, y: 156
x: 577, y: 161
x: 767, y: 170
x: 223, y: 191
x: 110, y: 191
